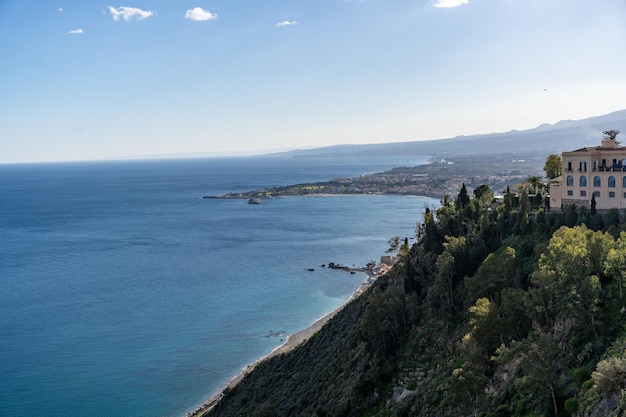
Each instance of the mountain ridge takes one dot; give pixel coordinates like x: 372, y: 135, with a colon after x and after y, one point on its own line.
x: 546, y: 138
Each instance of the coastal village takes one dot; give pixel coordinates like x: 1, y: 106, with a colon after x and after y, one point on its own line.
x: 435, y: 179
x: 587, y: 177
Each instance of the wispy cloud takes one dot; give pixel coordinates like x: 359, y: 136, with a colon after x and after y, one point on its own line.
x: 199, y: 14
x: 286, y: 23
x: 75, y: 32
x: 128, y: 13
x: 60, y: 9
x: 449, y: 3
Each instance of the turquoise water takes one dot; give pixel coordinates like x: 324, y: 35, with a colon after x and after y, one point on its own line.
x: 124, y: 293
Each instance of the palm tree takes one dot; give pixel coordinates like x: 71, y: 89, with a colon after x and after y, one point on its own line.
x: 611, y: 135
x: 535, y: 182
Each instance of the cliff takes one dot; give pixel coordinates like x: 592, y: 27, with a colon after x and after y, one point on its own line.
x: 495, y: 311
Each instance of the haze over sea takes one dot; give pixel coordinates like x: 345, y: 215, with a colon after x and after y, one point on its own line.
x: 124, y: 293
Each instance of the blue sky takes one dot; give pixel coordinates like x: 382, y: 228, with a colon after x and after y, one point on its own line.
x: 85, y: 80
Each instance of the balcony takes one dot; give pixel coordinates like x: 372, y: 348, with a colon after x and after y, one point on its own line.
x: 619, y: 167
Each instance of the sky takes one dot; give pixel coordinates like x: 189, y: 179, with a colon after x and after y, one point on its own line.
x: 87, y: 80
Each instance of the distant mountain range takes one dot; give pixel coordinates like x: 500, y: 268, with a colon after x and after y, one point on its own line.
x: 545, y: 139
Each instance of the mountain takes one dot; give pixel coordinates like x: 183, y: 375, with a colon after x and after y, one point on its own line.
x: 562, y: 136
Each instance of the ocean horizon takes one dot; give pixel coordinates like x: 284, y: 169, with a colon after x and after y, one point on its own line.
x: 126, y: 293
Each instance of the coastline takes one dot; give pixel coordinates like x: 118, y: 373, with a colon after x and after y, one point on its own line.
x: 293, y: 341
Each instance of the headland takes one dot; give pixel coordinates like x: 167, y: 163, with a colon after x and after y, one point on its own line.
x: 441, y: 176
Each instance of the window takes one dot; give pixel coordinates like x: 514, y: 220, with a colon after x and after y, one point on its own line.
x: 612, y: 194
x: 596, y: 193
x: 583, y: 166
x: 612, y: 181
x: 624, y: 182
x: 570, y: 181
x: 583, y: 193
x: 570, y: 193
x: 569, y: 166
x: 583, y: 181
x: 597, y: 182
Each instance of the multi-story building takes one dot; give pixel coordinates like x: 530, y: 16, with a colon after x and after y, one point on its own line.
x: 599, y: 171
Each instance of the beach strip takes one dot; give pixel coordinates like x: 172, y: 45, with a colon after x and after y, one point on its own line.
x: 293, y: 341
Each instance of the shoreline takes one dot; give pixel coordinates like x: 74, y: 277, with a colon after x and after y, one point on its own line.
x: 293, y: 341
x: 245, y: 196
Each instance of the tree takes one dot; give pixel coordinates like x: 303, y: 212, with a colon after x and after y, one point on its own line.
x: 384, y: 319
x: 484, y: 193
x: 615, y: 263
x: 467, y: 385
x: 593, y: 205
x: 494, y: 274
x: 508, y: 199
x: 463, y: 199
x: 441, y: 293
x: 405, y: 248
x: 567, y: 285
x: 541, y: 360
x: 394, y: 244
x: 611, y: 135
x: 610, y: 375
x: 553, y: 166
x: 535, y: 182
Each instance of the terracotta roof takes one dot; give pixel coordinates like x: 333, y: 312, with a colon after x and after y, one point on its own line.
x: 599, y: 148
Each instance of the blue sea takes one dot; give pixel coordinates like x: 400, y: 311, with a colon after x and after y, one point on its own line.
x: 125, y: 293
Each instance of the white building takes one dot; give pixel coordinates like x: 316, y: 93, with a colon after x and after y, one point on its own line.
x: 599, y: 171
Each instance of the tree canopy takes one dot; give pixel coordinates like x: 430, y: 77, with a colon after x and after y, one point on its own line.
x: 611, y: 135
x: 553, y: 166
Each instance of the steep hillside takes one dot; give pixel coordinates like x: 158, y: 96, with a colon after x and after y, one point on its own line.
x: 495, y: 311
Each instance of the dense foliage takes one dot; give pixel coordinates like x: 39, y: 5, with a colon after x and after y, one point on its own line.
x: 497, y: 310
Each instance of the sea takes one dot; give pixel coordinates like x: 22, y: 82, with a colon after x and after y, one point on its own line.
x: 124, y: 292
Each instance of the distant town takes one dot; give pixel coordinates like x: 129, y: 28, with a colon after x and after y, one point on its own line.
x: 441, y: 176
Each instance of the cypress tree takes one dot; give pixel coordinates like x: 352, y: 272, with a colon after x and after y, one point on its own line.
x: 593, y: 204
x: 462, y: 199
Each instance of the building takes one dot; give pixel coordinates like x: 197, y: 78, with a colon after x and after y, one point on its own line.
x: 599, y: 171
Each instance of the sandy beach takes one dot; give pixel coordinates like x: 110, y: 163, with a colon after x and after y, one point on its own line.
x: 293, y: 341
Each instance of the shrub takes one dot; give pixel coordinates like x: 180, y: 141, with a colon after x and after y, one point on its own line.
x: 610, y: 375
x: 571, y: 405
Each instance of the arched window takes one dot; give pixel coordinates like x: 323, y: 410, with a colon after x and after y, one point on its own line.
x: 570, y: 181
x: 583, y: 181
x: 597, y: 182
x: 612, y: 181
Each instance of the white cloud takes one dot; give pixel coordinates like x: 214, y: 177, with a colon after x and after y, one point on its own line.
x: 449, y: 3
x: 60, y: 9
x: 286, y: 23
x: 75, y: 32
x: 128, y: 13
x: 199, y: 14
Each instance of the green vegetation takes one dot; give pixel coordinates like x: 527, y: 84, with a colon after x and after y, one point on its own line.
x: 497, y: 310
x: 553, y: 166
